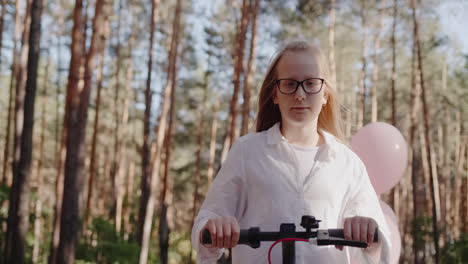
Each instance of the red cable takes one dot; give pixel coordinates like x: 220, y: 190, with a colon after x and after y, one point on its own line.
x: 281, y: 240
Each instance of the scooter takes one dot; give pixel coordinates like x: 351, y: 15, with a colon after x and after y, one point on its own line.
x: 288, y: 236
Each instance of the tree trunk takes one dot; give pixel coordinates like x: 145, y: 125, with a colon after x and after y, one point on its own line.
x: 128, y: 225
x: 414, y: 161
x: 394, y: 198
x: 74, y: 78
x: 104, y: 181
x: 93, y: 158
x: 198, y: 164
x: 443, y: 184
x: 20, y: 87
x: 58, y: 195
x: 405, y: 212
x: 158, y: 146
x: 18, y: 212
x: 59, y: 149
x: 431, y: 159
x: 6, y: 178
x: 198, y: 154
x: 212, y: 152
x: 166, y: 193
x: 124, y: 131
x: 459, y: 162
x: 60, y: 159
x: 443, y: 163
x: 375, y: 70
x: 76, y: 125
x: 331, y: 42
x: 129, y: 199
x: 350, y: 118
x: 227, y: 142
x: 59, y: 85
x: 39, y: 177
x: 250, y: 69
x: 394, y: 74
x: 425, y: 192
x: 116, y: 181
x: 2, y: 22
x: 363, y: 74
x: 145, y: 184
x: 464, y: 189
x: 238, y: 55
x: 238, y: 71
x: 426, y: 169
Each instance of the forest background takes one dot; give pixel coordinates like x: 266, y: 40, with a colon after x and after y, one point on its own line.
x: 116, y: 115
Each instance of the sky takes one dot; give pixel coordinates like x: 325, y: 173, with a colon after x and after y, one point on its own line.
x: 453, y: 17
x: 454, y: 20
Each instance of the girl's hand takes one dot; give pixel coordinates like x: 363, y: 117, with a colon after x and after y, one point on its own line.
x: 224, y: 232
x: 359, y: 228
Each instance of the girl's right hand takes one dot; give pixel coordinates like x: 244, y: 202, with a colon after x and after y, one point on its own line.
x: 224, y: 232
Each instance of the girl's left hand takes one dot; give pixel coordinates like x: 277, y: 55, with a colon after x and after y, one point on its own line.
x: 359, y: 228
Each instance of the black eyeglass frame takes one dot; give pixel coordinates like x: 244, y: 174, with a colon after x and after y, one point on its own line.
x: 301, y: 83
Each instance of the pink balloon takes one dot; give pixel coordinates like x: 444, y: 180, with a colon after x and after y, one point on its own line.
x: 395, y: 237
x: 384, y: 152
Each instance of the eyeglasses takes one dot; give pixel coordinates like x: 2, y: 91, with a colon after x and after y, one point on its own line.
x: 310, y: 86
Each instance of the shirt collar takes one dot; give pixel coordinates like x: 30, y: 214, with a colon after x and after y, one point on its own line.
x: 274, y: 137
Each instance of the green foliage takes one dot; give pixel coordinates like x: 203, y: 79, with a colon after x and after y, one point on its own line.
x: 180, y: 247
x: 4, y: 193
x: 456, y: 252
x: 106, y: 246
x: 422, y: 230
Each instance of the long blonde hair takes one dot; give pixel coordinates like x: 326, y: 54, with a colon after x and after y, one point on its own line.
x: 269, y: 114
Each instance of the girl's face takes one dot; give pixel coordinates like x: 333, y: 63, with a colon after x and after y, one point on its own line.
x: 299, y: 108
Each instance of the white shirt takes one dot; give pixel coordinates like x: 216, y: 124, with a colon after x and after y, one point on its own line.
x: 259, y: 185
x: 307, y: 157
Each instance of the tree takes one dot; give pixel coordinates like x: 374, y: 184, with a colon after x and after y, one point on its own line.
x: 363, y: 74
x: 238, y: 54
x: 394, y: 196
x: 393, y: 76
x: 375, y: 70
x: 197, y: 176
x: 414, y: 160
x: 94, y: 142
x: 145, y: 184
x: 214, y: 129
x: 14, y: 69
x: 117, y: 166
x: 38, y: 204
x: 432, y: 173
x: 166, y: 110
x: 2, y: 23
x: 253, y: 10
x: 76, y: 124
x: 122, y: 191
x: 60, y: 138
x: 18, y: 212
x: 331, y: 41
x: 74, y: 77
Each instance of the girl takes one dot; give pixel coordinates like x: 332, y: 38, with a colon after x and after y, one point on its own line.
x: 296, y: 164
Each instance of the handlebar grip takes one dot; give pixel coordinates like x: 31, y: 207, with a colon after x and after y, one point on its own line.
x: 206, y: 237
x: 243, y: 238
x: 339, y: 233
